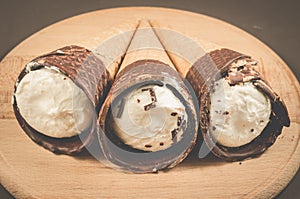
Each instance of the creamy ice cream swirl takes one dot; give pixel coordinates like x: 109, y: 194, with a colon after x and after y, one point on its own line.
x: 239, y: 112
x: 150, y: 118
x: 52, y: 104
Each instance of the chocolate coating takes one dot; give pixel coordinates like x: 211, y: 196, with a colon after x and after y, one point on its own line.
x: 124, y: 157
x: 216, y: 65
x: 89, y: 74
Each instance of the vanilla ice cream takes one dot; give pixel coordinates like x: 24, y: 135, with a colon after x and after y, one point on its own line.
x: 150, y: 118
x: 238, y: 114
x: 52, y: 104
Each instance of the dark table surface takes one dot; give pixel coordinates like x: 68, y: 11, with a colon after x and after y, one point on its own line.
x: 275, y: 22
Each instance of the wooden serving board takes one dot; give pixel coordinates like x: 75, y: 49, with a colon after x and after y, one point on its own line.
x: 29, y: 171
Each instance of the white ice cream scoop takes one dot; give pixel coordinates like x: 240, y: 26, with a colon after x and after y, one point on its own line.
x: 150, y: 119
x: 238, y: 114
x: 57, y: 96
x: 51, y: 103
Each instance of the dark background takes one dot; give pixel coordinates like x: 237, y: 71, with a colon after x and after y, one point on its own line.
x: 275, y: 22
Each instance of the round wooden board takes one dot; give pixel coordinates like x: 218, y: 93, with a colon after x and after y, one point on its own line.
x: 29, y: 171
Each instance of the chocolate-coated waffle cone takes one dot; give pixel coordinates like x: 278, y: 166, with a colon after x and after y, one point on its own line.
x: 139, y: 73
x: 212, y: 64
x: 146, y: 63
x: 88, y: 73
x: 215, y: 65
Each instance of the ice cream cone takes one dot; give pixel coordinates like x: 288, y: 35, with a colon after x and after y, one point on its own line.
x: 147, y: 71
x: 203, y: 71
x: 64, y: 121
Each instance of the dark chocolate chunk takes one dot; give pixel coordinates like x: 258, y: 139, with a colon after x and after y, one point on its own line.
x: 226, y: 113
x: 174, y: 133
x: 179, y: 120
x: 153, y: 96
x: 174, y: 114
x: 149, y: 106
x: 153, y: 99
x: 240, y: 67
x: 145, y: 89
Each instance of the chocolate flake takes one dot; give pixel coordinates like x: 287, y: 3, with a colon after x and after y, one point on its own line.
x: 161, y: 144
x: 180, y: 120
x: 153, y: 96
x: 240, y: 68
x: 138, y: 100
x: 174, y: 133
x: 149, y: 106
x: 148, y: 145
x: 252, y: 130
x: 174, y: 114
x: 153, y: 99
x: 214, y: 128
x: 226, y: 113
x: 145, y: 89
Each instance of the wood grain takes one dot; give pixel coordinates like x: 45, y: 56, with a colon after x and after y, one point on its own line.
x: 145, y: 45
x: 29, y: 171
x: 112, y: 50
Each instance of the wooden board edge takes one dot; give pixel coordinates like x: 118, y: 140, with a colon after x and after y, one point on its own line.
x: 273, y: 188
x: 7, y: 181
